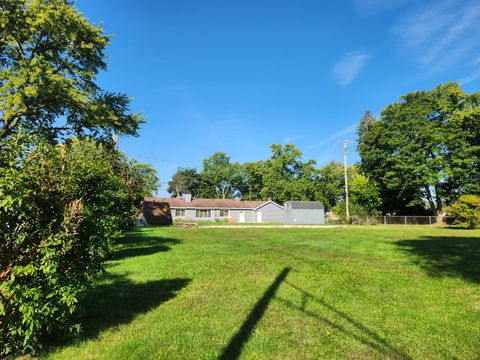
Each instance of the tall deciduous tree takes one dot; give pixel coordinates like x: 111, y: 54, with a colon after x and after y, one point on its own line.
x: 252, y: 180
x: 50, y: 56
x: 364, y: 195
x: 220, y: 177
x: 184, y: 181
x: 148, y: 176
x: 424, y: 147
x: 287, y: 177
x: 331, y: 184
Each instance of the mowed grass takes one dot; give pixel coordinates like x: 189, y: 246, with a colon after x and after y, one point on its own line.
x: 350, y: 293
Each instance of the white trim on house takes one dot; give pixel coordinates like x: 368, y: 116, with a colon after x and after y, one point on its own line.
x: 269, y: 202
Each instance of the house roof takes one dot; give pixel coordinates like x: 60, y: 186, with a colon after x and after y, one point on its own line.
x: 209, y: 203
x: 309, y: 205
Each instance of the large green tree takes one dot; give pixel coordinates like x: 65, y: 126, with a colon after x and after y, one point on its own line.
x: 287, y: 177
x: 252, y: 180
x: 331, y: 184
x: 184, y: 181
x: 50, y: 56
x: 148, y: 175
x: 220, y: 177
x: 424, y: 148
x: 364, y: 195
x: 61, y: 205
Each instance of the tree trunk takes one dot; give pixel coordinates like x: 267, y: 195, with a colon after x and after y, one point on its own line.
x: 438, y: 199
x: 8, y: 125
x: 433, y: 208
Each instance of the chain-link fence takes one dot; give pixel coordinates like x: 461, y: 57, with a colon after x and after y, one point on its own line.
x: 389, y: 220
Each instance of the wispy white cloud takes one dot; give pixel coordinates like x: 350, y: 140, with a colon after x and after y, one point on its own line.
x: 438, y: 34
x: 348, y: 67
x: 292, y: 139
x: 474, y: 75
x: 345, y: 132
x: 470, y: 77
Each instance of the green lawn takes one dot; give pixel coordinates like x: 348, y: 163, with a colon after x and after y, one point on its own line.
x: 361, y: 292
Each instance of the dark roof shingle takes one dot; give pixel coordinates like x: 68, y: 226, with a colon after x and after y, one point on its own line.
x: 208, y: 203
x: 305, y: 205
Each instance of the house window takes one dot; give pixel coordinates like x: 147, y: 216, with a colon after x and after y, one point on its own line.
x: 179, y: 212
x: 203, y: 214
x: 224, y: 213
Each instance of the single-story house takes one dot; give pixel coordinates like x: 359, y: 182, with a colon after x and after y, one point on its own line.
x: 304, y: 212
x: 189, y: 209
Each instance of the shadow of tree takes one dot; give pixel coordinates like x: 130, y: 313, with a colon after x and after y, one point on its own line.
x: 234, y: 348
x: 144, y: 239
x: 120, y: 300
x: 115, y: 301
x: 140, y: 245
x: 352, y: 327
x: 446, y: 255
x: 137, y: 251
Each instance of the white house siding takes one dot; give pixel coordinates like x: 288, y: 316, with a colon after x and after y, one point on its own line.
x: 271, y: 213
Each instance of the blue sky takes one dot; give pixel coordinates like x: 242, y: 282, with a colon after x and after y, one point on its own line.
x: 237, y: 76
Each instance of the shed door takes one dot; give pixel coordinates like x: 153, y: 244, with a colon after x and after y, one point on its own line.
x: 242, y: 217
x: 259, y: 216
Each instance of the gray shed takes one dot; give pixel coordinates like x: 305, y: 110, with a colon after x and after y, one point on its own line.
x: 304, y: 212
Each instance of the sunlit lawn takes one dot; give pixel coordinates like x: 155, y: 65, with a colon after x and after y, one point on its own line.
x: 362, y: 292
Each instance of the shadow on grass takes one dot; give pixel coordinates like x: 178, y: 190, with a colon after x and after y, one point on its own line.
x: 234, y: 348
x: 446, y: 255
x: 357, y: 330
x: 121, y: 300
x: 115, y: 302
x: 139, y: 245
x: 137, y: 251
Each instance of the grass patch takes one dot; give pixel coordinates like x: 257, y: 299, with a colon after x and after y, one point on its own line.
x: 363, y: 292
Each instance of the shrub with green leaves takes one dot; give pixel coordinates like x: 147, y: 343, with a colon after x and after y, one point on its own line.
x: 466, y: 211
x: 61, y: 208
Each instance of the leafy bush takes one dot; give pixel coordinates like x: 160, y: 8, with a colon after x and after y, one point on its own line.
x: 61, y: 208
x: 466, y: 211
x: 364, y: 200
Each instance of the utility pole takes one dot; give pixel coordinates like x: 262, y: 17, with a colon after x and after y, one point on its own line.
x: 347, y: 211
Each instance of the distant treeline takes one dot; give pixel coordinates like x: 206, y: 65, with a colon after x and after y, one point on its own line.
x: 282, y: 177
x: 420, y: 155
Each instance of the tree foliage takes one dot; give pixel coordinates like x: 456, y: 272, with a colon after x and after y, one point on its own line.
x: 61, y: 206
x: 331, y: 184
x: 252, y: 174
x: 184, y: 181
x: 148, y: 177
x: 364, y: 196
x: 287, y: 177
x: 50, y: 56
x: 427, y: 146
x: 219, y: 177
x: 61, y: 209
x: 282, y: 177
x: 465, y: 211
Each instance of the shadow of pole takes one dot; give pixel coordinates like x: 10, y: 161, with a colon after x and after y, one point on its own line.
x: 375, y: 341
x: 237, y: 342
